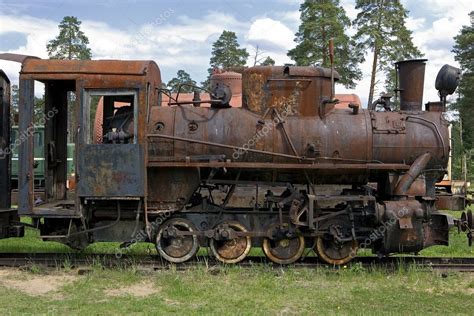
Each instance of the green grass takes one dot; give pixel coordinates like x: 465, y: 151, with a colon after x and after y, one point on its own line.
x: 260, y: 290
x: 458, y: 246
x: 31, y: 243
x: 230, y: 290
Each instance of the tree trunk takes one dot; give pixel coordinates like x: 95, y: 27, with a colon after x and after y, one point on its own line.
x: 324, y: 47
x: 256, y: 57
x: 376, y: 54
x: 372, y: 77
x: 69, y: 53
x: 323, y: 37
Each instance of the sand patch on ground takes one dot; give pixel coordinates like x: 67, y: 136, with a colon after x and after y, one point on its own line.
x: 141, y: 289
x: 33, y: 284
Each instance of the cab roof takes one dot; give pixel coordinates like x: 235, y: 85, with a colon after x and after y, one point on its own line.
x: 103, y: 67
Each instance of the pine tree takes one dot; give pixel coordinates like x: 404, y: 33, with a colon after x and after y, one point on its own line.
x: 182, y: 77
x: 381, y: 28
x: 268, y: 62
x: 464, y: 54
x: 71, y: 43
x: 226, y: 53
x: 260, y: 59
x: 38, y: 109
x: 322, y: 20
x: 14, y: 102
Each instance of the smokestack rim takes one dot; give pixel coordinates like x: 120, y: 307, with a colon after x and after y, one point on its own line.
x: 419, y: 60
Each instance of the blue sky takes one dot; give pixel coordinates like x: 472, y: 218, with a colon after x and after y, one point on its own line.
x: 179, y: 34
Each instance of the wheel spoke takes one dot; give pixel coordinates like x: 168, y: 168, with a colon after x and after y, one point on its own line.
x: 231, y: 250
x: 283, y: 250
x: 333, y: 253
x: 174, y: 247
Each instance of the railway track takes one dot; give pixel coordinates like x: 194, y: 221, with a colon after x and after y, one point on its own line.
x: 154, y: 262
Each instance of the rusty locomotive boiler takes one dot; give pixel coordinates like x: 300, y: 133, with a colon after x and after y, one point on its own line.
x: 317, y: 175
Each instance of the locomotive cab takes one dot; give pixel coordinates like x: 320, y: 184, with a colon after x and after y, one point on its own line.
x: 110, y: 168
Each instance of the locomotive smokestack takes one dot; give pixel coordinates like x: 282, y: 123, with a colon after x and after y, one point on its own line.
x: 411, y: 78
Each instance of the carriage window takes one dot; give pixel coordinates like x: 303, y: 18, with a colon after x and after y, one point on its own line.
x: 38, y: 139
x: 110, y: 117
x: 14, y: 134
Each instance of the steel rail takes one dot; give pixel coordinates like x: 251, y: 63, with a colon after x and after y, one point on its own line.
x: 155, y: 262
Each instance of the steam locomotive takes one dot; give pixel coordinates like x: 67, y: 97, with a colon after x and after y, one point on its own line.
x: 314, y: 174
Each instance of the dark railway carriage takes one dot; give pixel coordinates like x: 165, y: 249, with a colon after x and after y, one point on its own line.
x: 8, y: 217
x: 335, y: 179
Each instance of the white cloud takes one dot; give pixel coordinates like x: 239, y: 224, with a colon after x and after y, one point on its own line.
x: 349, y: 7
x: 37, y: 37
x: 106, y: 42
x: 272, y: 33
x: 436, y: 38
x: 290, y: 18
x: 415, y: 24
x: 445, y: 8
x: 35, y: 30
x: 183, y: 44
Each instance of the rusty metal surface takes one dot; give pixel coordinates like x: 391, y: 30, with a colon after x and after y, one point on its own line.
x: 187, y: 98
x: 301, y: 88
x: 16, y: 57
x: 173, y: 246
x: 437, y: 231
x: 97, y: 67
x: 412, y: 174
x: 435, y: 107
x: 411, y: 77
x: 228, y: 248
x: 452, y: 202
x: 341, y: 167
x: 55, y: 138
x: 418, y: 187
x: 307, y: 71
x: 282, y: 249
x: 287, y: 131
x: 171, y: 188
x: 403, y: 226
x: 144, y: 76
x: 231, y: 79
x: 102, y: 74
x: 406, y: 137
x: 332, y: 140
x: 111, y: 171
x: 346, y: 99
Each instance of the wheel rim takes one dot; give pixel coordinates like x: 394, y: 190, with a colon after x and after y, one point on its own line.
x: 283, y: 250
x: 336, y: 253
x: 177, y: 249
x: 232, y: 250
